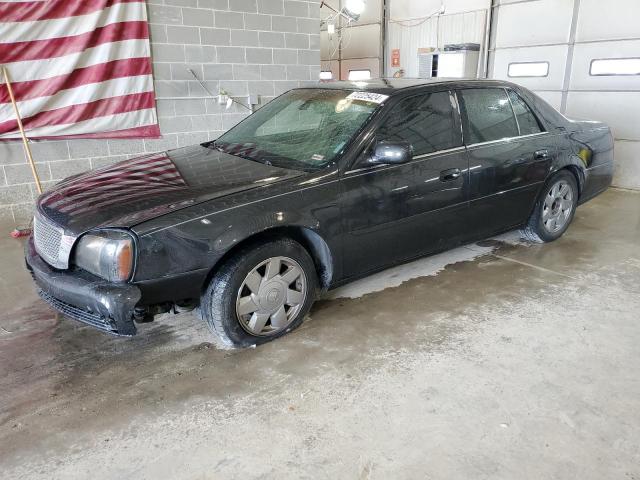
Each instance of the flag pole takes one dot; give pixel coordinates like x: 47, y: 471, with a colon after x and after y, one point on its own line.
x: 25, y: 141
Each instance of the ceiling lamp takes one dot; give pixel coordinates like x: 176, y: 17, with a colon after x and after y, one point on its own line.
x: 353, y: 9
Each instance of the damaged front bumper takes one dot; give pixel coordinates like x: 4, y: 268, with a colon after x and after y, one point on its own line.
x: 85, y: 297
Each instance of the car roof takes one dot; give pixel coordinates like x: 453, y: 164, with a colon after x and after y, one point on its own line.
x: 390, y: 86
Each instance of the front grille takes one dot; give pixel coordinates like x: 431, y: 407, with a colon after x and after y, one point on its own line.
x: 93, y: 319
x: 51, y: 242
x: 46, y: 238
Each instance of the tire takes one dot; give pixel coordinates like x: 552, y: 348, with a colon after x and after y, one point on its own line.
x: 554, y: 210
x: 255, y: 278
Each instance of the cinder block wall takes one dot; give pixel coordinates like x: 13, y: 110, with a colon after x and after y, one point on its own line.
x: 261, y: 47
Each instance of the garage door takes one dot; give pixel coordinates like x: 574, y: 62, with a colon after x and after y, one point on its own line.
x: 583, y: 57
x: 352, y: 50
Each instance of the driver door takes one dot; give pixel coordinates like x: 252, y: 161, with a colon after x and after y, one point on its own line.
x: 392, y: 213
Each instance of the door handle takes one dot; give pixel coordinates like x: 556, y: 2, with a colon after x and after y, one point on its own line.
x: 448, y: 175
x: 541, y: 154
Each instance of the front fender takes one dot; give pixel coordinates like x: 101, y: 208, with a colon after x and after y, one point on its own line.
x: 199, y: 243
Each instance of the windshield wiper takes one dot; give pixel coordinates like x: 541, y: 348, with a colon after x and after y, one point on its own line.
x: 222, y: 149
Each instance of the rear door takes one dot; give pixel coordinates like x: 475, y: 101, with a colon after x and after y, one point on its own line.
x: 509, y: 157
x: 395, y: 212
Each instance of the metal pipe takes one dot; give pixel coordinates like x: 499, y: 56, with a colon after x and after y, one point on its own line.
x: 487, y: 39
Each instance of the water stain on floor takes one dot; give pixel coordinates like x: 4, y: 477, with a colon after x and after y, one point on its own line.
x: 64, y: 387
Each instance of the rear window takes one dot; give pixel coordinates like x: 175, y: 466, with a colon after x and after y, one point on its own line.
x: 487, y: 115
x: 527, y: 121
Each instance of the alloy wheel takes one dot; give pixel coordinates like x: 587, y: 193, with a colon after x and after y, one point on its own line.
x: 271, y: 296
x: 557, y: 206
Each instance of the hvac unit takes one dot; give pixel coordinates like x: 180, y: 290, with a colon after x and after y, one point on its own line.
x: 427, y: 63
x: 459, y: 61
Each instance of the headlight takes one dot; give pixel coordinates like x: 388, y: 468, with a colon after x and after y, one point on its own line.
x: 108, y: 254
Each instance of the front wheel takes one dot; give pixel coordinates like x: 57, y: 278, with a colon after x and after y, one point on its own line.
x: 261, y: 293
x: 554, y: 210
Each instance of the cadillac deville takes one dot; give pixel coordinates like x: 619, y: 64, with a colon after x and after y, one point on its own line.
x: 321, y: 186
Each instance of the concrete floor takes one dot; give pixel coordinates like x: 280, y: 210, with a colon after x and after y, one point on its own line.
x: 496, y: 360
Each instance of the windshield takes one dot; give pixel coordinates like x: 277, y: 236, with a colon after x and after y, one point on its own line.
x: 302, y: 129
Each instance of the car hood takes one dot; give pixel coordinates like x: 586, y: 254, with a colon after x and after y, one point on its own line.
x: 138, y: 189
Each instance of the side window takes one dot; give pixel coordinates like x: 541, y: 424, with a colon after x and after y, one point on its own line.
x: 425, y: 121
x: 526, y: 119
x: 488, y: 115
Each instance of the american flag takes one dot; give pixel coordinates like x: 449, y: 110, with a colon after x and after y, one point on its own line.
x: 78, y: 68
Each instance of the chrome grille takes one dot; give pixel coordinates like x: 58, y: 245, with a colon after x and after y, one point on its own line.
x: 51, y: 243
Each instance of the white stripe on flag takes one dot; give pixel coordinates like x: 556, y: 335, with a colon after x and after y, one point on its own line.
x: 70, y: 26
x: 108, y: 123
x: 82, y: 94
x: 52, y: 67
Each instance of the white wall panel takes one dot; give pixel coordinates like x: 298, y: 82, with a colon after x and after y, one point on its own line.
x: 328, y: 46
x: 604, y: 29
x: 403, y: 9
x: 627, y: 164
x: 461, y: 28
x: 555, y: 55
x: 584, y: 53
x: 534, y: 23
x: 600, y: 20
x: 620, y: 110
x: 552, y: 98
x: 361, y: 41
x: 434, y: 33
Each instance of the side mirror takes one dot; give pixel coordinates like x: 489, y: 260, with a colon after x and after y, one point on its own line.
x: 387, y: 152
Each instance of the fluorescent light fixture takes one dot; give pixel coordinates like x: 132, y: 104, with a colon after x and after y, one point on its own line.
x: 615, y: 66
x: 359, y: 75
x: 326, y: 75
x: 353, y: 9
x: 528, y: 69
x: 355, y: 6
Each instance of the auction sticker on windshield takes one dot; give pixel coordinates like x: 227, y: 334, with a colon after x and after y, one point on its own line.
x: 368, y: 97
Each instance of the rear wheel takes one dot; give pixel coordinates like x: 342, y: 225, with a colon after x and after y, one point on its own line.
x: 261, y: 293
x: 554, y: 210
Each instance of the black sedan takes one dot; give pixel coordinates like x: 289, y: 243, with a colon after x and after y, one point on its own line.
x: 319, y: 187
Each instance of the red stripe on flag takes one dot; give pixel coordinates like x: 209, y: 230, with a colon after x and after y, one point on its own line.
x: 128, y: 67
x: 57, y: 47
x: 146, y: 131
x: 51, y: 9
x: 84, y: 111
